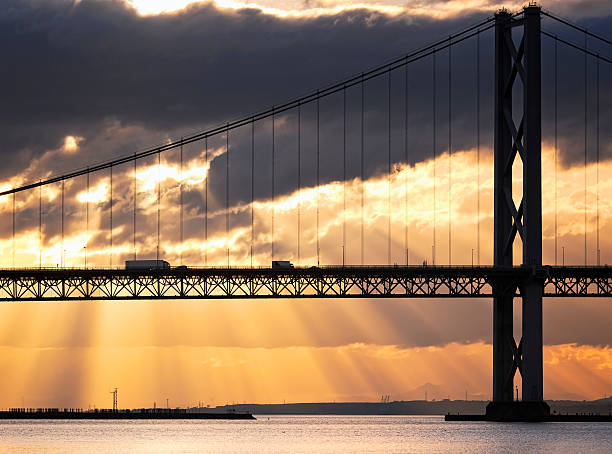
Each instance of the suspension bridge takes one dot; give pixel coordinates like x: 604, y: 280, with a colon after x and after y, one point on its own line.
x: 89, y: 221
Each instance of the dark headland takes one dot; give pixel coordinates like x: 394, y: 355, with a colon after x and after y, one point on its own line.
x: 141, y: 413
x: 453, y: 410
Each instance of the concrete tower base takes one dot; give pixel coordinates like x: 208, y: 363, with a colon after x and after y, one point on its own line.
x: 522, y: 411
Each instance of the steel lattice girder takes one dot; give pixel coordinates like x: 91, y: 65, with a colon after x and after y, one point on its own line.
x: 332, y: 282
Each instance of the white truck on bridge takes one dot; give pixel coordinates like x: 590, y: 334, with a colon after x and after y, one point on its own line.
x: 146, y: 265
x: 281, y: 265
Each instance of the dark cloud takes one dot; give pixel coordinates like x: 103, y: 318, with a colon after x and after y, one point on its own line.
x: 73, y: 67
x: 123, y: 82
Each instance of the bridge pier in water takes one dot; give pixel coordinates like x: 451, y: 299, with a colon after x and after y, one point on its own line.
x: 511, y: 64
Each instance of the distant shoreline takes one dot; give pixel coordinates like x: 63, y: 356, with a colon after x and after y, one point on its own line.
x: 246, y: 411
x: 413, y: 407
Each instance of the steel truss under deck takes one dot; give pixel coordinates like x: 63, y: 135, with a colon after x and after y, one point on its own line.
x: 327, y: 282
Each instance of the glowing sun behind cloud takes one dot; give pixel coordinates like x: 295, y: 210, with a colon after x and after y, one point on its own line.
x: 297, y: 8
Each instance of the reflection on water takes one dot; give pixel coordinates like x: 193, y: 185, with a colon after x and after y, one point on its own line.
x: 302, y: 434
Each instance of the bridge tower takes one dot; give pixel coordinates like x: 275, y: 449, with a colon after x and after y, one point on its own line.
x: 518, y: 67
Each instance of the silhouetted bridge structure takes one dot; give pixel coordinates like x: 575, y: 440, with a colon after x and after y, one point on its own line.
x: 517, y: 133
x: 312, y: 282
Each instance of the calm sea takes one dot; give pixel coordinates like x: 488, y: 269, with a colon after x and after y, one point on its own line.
x: 303, y: 434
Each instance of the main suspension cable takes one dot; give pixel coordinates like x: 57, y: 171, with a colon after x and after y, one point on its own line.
x: 575, y: 46
x: 430, y: 50
x: 576, y: 27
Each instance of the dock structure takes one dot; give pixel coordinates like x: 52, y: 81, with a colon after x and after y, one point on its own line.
x: 140, y: 413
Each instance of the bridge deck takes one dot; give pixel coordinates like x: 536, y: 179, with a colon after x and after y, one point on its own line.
x: 43, y: 284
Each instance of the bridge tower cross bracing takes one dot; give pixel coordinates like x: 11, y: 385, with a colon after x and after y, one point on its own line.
x: 512, y: 65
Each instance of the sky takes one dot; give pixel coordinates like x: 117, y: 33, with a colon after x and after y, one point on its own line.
x: 93, y: 80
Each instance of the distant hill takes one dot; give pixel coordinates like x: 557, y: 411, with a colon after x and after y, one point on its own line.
x: 599, y: 406
x: 412, y: 407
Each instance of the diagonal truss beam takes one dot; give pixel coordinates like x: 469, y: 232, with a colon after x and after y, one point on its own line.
x: 329, y: 282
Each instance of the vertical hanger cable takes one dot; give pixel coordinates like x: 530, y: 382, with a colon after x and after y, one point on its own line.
x: 40, y: 240
x: 87, y: 220
x: 478, y: 148
x: 227, y: 189
x: 182, y: 229
x: 299, y: 182
x: 597, y: 170
x: 389, y: 168
x: 362, y: 174
x: 343, y: 175
x: 273, y: 182
x: 135, y: 193
x: 585, y: 150
x: 14, y: 225
x: 406, y: 164
x: 206, y: 201
x: 318, y: 183
x: 158, y: 200
x: 252, y: 187
x: 450, y: 153
x: 110, y: 215
x: 433, y: 247
x: 62, y: 251
x: 556, y: 106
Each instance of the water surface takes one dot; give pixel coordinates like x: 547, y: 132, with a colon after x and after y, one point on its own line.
x: 303, y: 434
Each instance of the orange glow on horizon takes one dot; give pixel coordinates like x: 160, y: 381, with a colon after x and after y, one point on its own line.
x: 64, y: 354
x: 352, y: 372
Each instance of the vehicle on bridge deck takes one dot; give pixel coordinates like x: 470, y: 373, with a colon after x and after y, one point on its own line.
x: 146, y: 265
x: 281, y: 265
